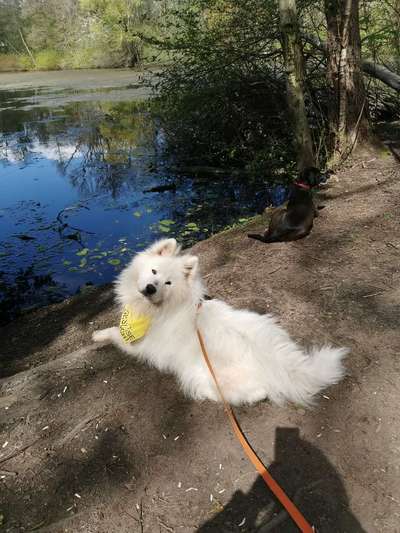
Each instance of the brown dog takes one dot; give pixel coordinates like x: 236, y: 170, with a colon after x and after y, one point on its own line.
x: 295, y: 221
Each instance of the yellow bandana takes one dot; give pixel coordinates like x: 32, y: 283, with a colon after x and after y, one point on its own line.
x: 133, y: 326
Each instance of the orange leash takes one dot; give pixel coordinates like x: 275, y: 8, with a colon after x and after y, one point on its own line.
x: 290, y: 507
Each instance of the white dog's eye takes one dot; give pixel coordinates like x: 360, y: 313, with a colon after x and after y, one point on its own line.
x: 154, y: 271
x: 167, y: 283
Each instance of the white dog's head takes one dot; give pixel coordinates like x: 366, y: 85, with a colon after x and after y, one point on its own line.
x: 158, y: 275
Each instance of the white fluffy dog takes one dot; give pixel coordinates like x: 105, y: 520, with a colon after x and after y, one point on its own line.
x: 253, y: 357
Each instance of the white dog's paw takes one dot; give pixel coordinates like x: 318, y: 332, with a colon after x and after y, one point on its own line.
x: 100, y: 335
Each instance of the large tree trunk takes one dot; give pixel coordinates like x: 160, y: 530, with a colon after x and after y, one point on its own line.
x: 294, y: 67
x: 348, y: 112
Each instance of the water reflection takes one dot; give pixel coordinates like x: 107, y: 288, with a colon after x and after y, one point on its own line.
x: 73, y: 200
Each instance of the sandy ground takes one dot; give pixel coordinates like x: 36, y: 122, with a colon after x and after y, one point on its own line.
x: 92, y: 441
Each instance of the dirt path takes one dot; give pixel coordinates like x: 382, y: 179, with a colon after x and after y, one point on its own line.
x: 92, y: 441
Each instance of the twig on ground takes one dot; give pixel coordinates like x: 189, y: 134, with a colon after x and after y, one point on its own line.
x: 21, y: 450
x: 140, y: 513
x: 161, y: 523
x: 38, y: 526
x: 8, y: 473
x: 45, y: 393
x: 273, y: 271
x: 362, y: 163
x: 130, y: 516
x: 74, y: 431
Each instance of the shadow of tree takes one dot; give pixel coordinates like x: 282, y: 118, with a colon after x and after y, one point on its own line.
x: 308, y: 477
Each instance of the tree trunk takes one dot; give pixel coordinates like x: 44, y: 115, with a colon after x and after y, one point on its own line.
x: 348, y: 112
x: 27, y: 47
x: 294, y: 66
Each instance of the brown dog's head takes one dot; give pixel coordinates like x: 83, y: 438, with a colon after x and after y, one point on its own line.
x: 311, y: 176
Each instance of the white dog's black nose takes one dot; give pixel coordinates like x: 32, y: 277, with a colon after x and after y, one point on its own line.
x: 149, y: 290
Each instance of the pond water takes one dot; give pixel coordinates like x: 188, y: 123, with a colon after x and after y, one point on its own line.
x: 78, y: 155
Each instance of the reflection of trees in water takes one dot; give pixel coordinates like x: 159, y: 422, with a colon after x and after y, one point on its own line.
x: 97, y: 145
x: 113, y: 144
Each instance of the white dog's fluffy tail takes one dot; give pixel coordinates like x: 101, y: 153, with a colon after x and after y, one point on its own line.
x: 320, y: 368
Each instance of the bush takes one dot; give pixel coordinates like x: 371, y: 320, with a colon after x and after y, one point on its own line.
x: 48, y: 60
x: 76, y: 59
x: 25, y: 62
x: 222, y: 99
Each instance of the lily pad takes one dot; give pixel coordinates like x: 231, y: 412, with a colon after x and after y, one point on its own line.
x: 137, y: 214
x: 83, y: 262
x: 167, y: 222
x: 192, y: 226
x: 66, y: 263
x: 114, y: 262
x: 164, y: 229
x: 84, y: 251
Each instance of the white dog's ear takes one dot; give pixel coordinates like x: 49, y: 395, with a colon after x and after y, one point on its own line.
x: 190, y: 264
x: 164, y: 247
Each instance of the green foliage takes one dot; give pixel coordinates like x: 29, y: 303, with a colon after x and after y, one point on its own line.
x: 380, y: 37
x: 48, y: 60
x: 43, y: 60
x: 79, y: 33
x: 25, y: 62
x: 83, y: 57
x: 10, y: 22
x: 222, y: 99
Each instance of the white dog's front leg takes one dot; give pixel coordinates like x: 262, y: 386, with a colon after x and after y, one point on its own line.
x: 107, y: 335
x: 112, y: 335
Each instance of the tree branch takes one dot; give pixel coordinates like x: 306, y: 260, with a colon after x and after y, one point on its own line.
x: 382, y: 73
x: 27, y: 47
x: 375, y: 70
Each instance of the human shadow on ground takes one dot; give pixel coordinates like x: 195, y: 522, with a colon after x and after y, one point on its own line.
x: 307, y: 477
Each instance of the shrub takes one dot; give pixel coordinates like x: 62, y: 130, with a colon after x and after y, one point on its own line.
x: 222, y: 99
x: 48, y: 60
